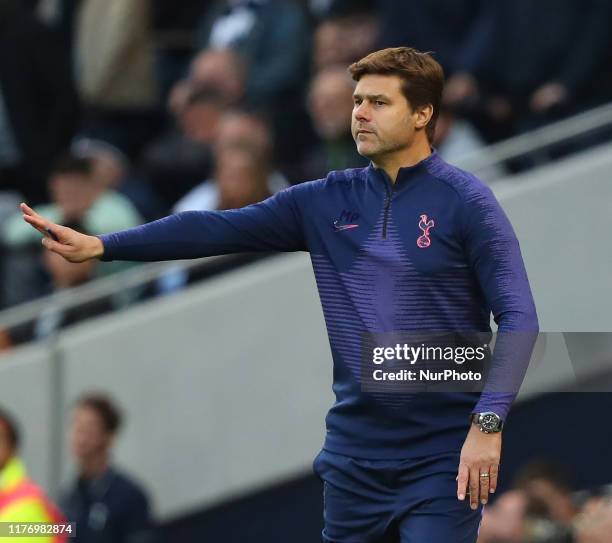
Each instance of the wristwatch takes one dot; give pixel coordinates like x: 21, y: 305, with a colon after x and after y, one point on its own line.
x: 488, y: 422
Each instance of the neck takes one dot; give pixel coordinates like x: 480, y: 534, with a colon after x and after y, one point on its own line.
x: 94, y: 467
x: 410, y: 156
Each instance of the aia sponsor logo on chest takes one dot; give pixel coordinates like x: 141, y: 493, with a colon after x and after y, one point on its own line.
x: 425, y: 224
x: 346, y: 221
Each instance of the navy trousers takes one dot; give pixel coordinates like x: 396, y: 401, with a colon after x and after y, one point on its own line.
x: 394, y: 501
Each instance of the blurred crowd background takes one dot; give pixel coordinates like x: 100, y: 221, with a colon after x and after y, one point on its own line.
x: 118, y: 112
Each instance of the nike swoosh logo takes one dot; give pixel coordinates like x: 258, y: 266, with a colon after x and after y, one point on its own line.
x: 345, y: 227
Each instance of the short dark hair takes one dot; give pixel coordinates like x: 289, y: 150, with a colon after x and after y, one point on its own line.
x: 422, y: 77
x: 71, y: 164
x: 105, y: 408
x: 12, y: 429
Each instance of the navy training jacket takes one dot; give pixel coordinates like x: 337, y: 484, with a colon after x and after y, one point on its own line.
x: 432, y: 252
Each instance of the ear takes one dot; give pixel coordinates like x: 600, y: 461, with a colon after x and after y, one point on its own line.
x: 423, y: 115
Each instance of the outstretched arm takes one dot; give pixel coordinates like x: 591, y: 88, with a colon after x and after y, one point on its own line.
x: 272, y: 225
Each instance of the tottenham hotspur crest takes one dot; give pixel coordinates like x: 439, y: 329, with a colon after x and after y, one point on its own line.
x: 425, y: 225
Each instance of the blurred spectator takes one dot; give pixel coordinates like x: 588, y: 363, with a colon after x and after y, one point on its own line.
x: 219, y: 70
x: 109, y: 165
x: 115, y: 71
x: 542, y: 509
x: 549, y: 484
x: 21, y: 500
x: 241, y: 178
x: 77, y: 196
x: 595, y: 522
x: 452, y: 30
x: 331, y: 104
x: 457, y: 34
x: 182, y: 158
x: 272, y: 38
x: 243, y: 175
x: 107, y: 505
x: 528, y: 76
x: 38, y: 104
x: 504, y: 520
x: 113, y: 170
x: 346, y: 36
x: 247, y: 137
x: 246, y: 127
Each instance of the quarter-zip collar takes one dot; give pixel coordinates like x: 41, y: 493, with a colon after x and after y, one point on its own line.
x: 405, y: 175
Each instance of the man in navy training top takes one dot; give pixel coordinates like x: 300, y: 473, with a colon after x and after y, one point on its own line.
x: 409, y: 243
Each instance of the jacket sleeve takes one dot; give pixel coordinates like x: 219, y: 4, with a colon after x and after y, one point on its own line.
x: 494, y: 255
x: 272, y: 225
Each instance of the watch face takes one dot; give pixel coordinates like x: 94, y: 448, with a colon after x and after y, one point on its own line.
x: 489, y: 421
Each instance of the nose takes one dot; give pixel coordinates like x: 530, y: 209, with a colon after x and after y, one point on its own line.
x: 362, y: 112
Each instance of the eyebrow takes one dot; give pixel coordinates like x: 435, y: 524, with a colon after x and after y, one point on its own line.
x: 371, y: 97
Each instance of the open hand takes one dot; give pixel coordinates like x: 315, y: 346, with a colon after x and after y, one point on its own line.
x: 66, y: 242
x: 479, y: 466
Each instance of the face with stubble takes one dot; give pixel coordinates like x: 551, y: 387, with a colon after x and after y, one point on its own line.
x: 383, y: 121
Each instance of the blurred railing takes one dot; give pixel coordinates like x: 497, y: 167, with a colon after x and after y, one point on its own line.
x: 539, y: 140
x: 103, y: 287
